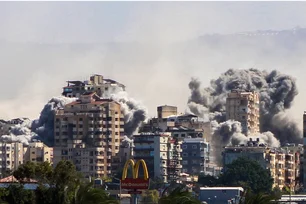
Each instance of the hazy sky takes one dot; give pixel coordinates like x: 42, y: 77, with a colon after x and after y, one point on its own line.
x: 133, y: 21
x: 36, y: 59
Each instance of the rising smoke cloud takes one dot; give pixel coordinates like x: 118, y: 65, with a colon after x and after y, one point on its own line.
x: 43, y: 127
x: 277, y: 92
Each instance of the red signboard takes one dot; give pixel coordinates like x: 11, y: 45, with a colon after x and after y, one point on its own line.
x: 137, y: 183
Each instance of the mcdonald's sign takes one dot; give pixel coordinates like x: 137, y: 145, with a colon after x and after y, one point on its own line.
x: 135, y: 182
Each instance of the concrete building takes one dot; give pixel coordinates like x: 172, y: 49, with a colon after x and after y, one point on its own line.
x: 11, y: 156
x: 96, y: 83
x: 244, y: 107
x: 38, y: 152
x: 195, y: 155
x: 166, y: 111
x: 157, y: 151
x: 283, y: 163
x: 89, y: 132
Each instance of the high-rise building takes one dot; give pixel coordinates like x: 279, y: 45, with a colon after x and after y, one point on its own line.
x: 11, y: 156
x: 195, y: 155
x: 244, y: 107
x: 96, y: 83
x: 88, y: 132
x: 157, y: 151
x: 38, y: 152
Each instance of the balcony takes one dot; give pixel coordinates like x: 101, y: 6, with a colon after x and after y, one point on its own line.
x: 90, y: 122
x: 90, y: 129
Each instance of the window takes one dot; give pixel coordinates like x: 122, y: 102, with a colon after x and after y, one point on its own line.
x: 194, y: 146
x: 184, y: 147
x: 185, y: 162
x: 185, y: 154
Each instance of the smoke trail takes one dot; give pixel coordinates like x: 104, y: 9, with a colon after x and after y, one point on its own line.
x: 277, y: 92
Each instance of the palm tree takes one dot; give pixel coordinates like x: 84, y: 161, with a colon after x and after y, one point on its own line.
x: 86, y: 194
x: 259, y: 198
x: 179, y: 196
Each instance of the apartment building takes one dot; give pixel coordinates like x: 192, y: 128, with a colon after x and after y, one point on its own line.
x: 37, y: 151
x: 195, y: 155
x: 158, y: 152
x: 11, y: 156
x: 88, y: 132
x: 96, y: 83
x: 282, y: 162
x: 244, y: 107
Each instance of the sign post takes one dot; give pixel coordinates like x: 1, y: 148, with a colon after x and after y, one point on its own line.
x: 135, y: 183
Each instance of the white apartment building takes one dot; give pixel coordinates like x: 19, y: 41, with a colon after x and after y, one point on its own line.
x: 244, y: 107
x: 11, y: 156
x: 157, y: 151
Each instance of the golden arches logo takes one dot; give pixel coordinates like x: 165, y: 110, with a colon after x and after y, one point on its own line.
x: 135, y: 169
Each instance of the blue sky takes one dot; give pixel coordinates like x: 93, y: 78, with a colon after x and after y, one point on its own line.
x: 133, y: 21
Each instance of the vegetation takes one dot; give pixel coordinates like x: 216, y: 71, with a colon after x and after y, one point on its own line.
x: 150, y: 197
x: 179, y: 196
x: 61, y: 185
x: 242, y: 172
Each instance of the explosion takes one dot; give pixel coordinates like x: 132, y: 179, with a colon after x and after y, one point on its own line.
x: 277, y: 92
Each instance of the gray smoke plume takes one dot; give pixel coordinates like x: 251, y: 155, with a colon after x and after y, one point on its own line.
x: 42, y: 128
x: 276, y: 90
x: 230, y: 133
x: 134, y: 112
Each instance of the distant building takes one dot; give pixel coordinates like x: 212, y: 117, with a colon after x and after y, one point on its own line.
x: 96, y: 83
x: 88, y: 132
x: 156, y: 150
x: 244, y: 107
x: 166, y: 111
x: 195, y: 155
x: 11, y: 155
x: 282, y: 162
x: 38, y: 152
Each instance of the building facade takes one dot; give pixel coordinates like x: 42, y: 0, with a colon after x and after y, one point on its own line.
x: 244, y: 107
x: 304, y: 153
x: 11, y: 156
x: 96, y: 83
x: 195, y: 155
x: 166, y: 111
x: 38, y: 152
x: 88, y: 132
x: 158, y: 152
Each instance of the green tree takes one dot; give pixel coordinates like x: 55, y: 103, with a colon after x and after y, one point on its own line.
x: 150, y: 197
x: 179, y: 196
x: 86, y: 194
x: 259, y: 198
x: 247, y: 172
